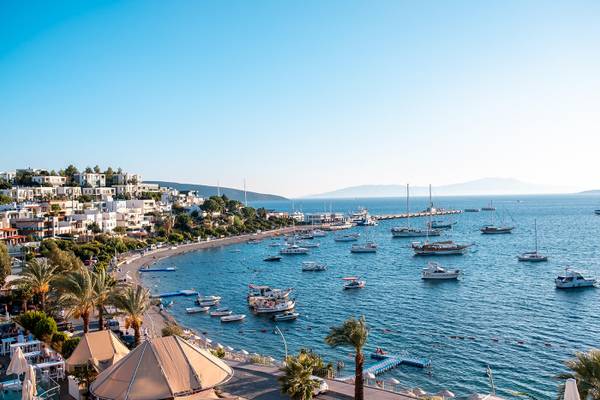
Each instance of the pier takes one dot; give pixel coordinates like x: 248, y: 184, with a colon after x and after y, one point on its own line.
x: 417, y: 214
x: 176, y: 293
x: 387, y: 362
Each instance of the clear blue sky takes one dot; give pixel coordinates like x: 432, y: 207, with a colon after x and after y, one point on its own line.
x: 306, y: 96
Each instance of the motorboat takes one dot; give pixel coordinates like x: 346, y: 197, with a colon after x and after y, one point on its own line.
x: 319, y: 233
x: 368, y: 247
x: 286, y: 316
x: 439, y: 248
x: 311, y: 266
x: 354, y: 282
x: 533, y: 256
x: 472, y: 210
x: 207, y: 303
x: 496, y: 230
x: 233, y: 318
x: 293, y: 250
x: 408, y: 232
x: 309, y: 245
x: 440, y: 224
x: 367, y: 221
x: 434, y: 271
x: 359, y: 215
x: 272, y: 258
x: 254, y: 241
x: 338, y: 226
x: 351, y: 237
x: 305, y: 236
x: 196, y: 310
x: 572, y: 280
x: 270, y: 306
x: 221, y: 312
x: 489, y: 207
x: 261, y: 292
x: 201, y: 298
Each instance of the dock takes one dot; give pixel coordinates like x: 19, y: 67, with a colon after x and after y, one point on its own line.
x: 387, y: 362
x: 174, y: 294
x: 166, y: 269
x: 417, y: 214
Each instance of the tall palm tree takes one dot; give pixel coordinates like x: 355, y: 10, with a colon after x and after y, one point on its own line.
x: 104, y: 287
x: 37, y: 276
x: 78, y: 295
x: 353, y: 332
x: 297, y: 381
x: 133, y: 301
x: 585, y: 369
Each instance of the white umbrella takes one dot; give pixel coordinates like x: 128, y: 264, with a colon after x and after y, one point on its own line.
x: 244, y: 352
x: 395, y: 381
x: 446, y: 394
x: 30, y: 376
x: 571, y: 392
x: 27, y: 391
x: 7, y: 315
x: 371, y: 375
x: 18, y: 363
x: 419, y: 392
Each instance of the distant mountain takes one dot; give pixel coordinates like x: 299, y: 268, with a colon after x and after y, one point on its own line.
x: 485, y: 186
x: 595, y: 191
x: 206, y: 191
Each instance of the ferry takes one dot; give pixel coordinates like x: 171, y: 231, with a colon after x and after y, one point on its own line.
x: 293, y: 250
x: 573, y: 280
x: 434, y: 271
x: 286, y: 316
x: 311, y: 266
x: 351, y: 237
x: 233, y: 318
x: 439, y: 248
x: 368, y: 247
x: 354, y: 282
x: 496, y: 230
x: 195, y: 310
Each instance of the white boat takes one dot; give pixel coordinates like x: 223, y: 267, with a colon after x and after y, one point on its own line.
x: 409, y: 232
x: 259, y: 293
x: 311, y: 266
x: 367, y: 221
x: 195, y: 310
x: 319, y: 233
x: 305, y: 236
x: 269, y: 307
x: 359, y: 215
x: 354, y: 282
x: 233, y: 318
x: 221, y: 312
x: 533, y: 256
x: 351, y: 237
x: 207, y: 303
x: 573, y: 280
x: 439, y: 248
x: 338, y: 226
x: 368, y: 247
x: 309, y: 245
x: 293, y: 250
x: 208, y: 298
x: 286, y: 316
x: 434, y: 271
x: 496, y: 230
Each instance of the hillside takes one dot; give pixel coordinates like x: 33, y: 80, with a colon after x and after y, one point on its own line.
x: 206, y: 191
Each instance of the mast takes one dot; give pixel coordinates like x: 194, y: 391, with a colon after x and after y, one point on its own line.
x: 430, y: 201
x: 407, y: 208
x: 535, y: 229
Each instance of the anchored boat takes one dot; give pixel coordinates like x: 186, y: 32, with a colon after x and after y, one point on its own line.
x: 311, y: 266
x: 368, y: 247
x: 233, y: 318
x: 272, y: 258
x: 293, y: 250
x: 439, y: 248
x: 351, y: 237
x: 354, y: 282
x: 195, y: 310
x: 286, y: 316
x: 434, y: 271
x: 572, y: 280
x: 221, y: 312
x: 409, y: 232
x: 533, y: 256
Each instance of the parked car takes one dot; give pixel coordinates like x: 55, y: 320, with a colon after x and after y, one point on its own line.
x: 323, y: 386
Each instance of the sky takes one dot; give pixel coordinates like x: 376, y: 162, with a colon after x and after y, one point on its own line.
x: 302, y: 97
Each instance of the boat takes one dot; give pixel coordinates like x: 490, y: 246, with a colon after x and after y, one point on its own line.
x: 274, y: 306
x: 496, y: 230
x: 260, y: 292
x: 319, y: 233
x: 359, y: 215
x: 221, y: 312
x: 409, y: 232
x: 286, y: 316
x: 533, y: 256
x: 273, y: 258
x: 350, y: 237
x: 311, y: 266
x: 489, y: 207
x: 293, y: 249
x: 274, y: 244
x: 233, y: 318
x: 207, y: 303
x: 472, y: 210
x: 573, y: 280
x: 440, y: 224
x: 367, y: 220
x: 305, y: 236
x: 208, y: 298
x: 195, y: 310
x: 309, y: 245
x: 434, y: 271
x: 354, y: 282
x: 368, y: 247
x: 439, y: 248
x: 338, y: 226
x: 597, y: 212
x: 254, y: 241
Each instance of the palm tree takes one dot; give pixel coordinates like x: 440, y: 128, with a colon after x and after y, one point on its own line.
x: 353, y: 332
x: 585, y: 369
x: 78, y: 295
x: 133, y: 301
x: 297, y: 381
x: 37, y: 276
x: 104, y: 287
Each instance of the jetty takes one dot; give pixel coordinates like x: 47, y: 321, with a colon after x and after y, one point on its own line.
x: 417, y: 214
x: 185, y: 292
x: 165, y: 269
x: 387, y: 362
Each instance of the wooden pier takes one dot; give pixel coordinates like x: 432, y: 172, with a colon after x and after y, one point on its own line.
x: 417, y: 214
x: 389, y: 361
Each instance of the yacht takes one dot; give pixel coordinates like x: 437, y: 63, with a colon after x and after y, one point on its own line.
x: 311, y: 266
x: 305, y: 236
x: 533, y: 256
x: 439, y: 248
x: 221, y: 312
x: 359, y: 215
x: 293, y: 249
x: 353, y: 282
x: 259, y: 292
x: 195, y: 310
x: 407, y: 231
x: 286, y: 316
x: 368, y: 247
x: 351, y: 237
x: 233, y: 318
x: 319, y: 233
x: 367, y: 221
x: 440, y: 224
x: 434, y: 271
x: 338, y: 226
x: 207, y: 303
x: 496, y: 230
x: 572, y: 280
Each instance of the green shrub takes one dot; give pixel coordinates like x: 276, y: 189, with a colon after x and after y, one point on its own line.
x: 69, y: 346
x: 172, y: 330
x: 218, y: 352
x: 58, y: 338
x: 29, y: 319
x: 45, y: 328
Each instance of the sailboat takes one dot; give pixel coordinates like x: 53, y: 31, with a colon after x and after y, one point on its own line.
x: 490, y: 207
x: 407, y: 231
x: 492, y: 229
x: 533, y: 256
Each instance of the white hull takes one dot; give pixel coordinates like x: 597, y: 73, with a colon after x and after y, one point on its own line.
x: 440, y: 276
x: 414, y: 233
x: 574, y: 285
x: 233, y: 318
x: 276, y: 309
x: 196, y: 310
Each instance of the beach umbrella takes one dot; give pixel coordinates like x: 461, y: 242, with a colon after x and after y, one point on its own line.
x: 446, y: 394
x: 395, y: 381
x: 419, y: 392
x: 244, y: 352
x: 18, y: 363
x: 571, y: 392
x: 27, y: 391
x: 30, y: 376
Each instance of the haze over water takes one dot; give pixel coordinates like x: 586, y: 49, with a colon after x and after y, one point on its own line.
x: 502, y: 313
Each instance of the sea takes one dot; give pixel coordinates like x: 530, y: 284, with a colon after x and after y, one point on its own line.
x: 502, y: 314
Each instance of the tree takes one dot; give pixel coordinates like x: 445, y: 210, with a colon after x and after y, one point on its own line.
x: 104, y: 286
x: 4, y: 199
x: 353, y: 332
x: 585, y: 369
x: 297, y: 381
x: 88, y: 170
x: 70, y: 172
x: 78, y: 295
x: 64, y: 261
x: 97, y: 169
x: 38, y: 275
x: 133, y: 301
x: 5, y: 263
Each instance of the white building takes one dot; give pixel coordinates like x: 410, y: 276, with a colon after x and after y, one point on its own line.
x: 68, y: 191
x: 126, y: 179
x: 52, y: 180
x: 8, y: 176
x: 98, y: 192
x: 90, y: 179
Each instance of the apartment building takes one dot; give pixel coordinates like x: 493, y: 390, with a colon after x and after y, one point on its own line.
x: 90, y: 179
x: 49, y: 180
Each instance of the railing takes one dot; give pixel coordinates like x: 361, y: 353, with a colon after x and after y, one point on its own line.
x: 53, y: 392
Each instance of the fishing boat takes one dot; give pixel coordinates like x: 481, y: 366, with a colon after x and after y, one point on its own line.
x: 196, y: 310
x: 489, y: 207
x: 439, y: 248
x: 233, y: 318
x: 434, y: 271
x: 293, y: 250
x: 409, y: 232
x: 311, y: 266
x: 319, y: 233
x: 272, y: 258
x: 368, y: 247
x: 440, y: 224
x: 472, y: 210
x: 270, y: 306
x: 201, y: 298
x: 496, y: 230
x: 221, y: 312
x: 353, y: 282
x: 533, y: 256
x: 286, y: 316
x: 573, y: 279
x: 351, y: 237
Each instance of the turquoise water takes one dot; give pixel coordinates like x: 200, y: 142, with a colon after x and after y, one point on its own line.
x: 502, y: 313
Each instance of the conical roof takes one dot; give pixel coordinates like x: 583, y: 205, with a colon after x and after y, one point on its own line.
x: 162, y: 368
x: 100, y: 347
